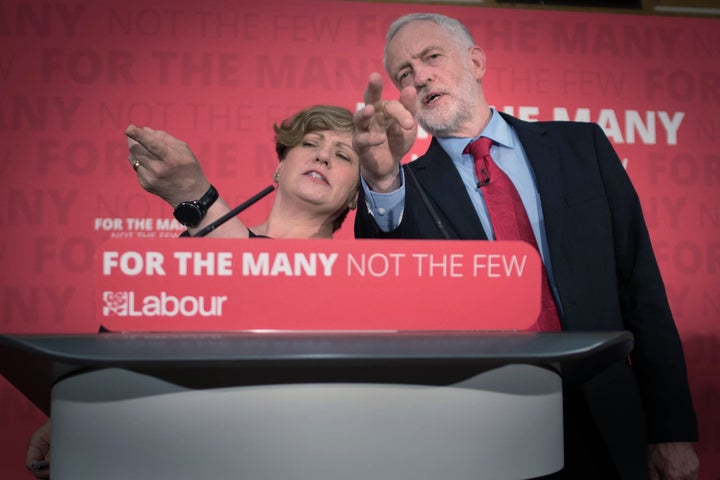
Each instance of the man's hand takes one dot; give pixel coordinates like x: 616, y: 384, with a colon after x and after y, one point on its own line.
x: 39, y: 451
x: 384, y: 132
x: 673, y: 461
x: 167, y: 167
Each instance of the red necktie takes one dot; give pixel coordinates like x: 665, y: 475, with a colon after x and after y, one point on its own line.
x: 510, y: 221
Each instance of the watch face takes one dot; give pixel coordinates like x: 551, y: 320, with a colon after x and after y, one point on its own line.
x: 189, y: 213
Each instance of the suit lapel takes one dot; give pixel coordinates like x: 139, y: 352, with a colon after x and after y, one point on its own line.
x: 443, y: 185
x: 545, y: 162
x: 549, y: 171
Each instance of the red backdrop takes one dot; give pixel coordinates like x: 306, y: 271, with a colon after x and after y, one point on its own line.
x: 219, y: 73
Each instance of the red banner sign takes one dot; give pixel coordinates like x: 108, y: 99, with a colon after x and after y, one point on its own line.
x: 214, y: 284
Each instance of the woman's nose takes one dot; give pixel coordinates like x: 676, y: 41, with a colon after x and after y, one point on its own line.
x: 323, y: 156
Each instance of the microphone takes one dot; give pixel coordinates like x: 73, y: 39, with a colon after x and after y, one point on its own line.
x: 247, y: 203
x: 485, y: 178
x: 426, y: 202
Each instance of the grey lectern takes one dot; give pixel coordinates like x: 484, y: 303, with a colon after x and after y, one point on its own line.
x: 305, y: 405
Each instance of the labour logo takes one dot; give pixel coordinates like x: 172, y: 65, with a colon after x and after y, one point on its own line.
x: 115, y: 303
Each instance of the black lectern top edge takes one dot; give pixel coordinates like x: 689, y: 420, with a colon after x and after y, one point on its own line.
x: 33, y: 363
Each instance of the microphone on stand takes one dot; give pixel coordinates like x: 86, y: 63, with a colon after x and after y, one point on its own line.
x: 249, y: 202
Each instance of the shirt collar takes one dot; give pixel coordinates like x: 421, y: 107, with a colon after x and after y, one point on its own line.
x: 497, y: 129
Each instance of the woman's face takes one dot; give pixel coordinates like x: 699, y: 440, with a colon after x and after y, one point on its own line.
x: 322, y: 170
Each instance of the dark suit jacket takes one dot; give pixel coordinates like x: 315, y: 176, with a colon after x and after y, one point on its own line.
x: 604, y: 268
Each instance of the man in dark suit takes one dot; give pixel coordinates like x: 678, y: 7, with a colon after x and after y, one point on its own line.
x: 636, y: 419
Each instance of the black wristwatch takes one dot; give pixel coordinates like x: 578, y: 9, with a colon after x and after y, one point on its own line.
x: 191, y: 214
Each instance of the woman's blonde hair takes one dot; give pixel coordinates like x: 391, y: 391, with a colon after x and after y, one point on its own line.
x: 317, y: 118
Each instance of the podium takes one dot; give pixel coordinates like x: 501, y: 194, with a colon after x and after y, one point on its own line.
x: 306, y: 405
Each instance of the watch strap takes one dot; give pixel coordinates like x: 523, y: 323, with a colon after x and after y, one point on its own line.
x: 208, y: 198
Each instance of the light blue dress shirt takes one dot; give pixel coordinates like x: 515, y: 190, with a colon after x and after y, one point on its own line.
x: 510, y: 157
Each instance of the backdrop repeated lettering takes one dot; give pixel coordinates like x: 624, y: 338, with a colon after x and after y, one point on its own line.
x: 218, y: 74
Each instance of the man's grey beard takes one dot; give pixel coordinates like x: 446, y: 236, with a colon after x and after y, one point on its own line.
x: 450, y: 126
x: 465, y: 109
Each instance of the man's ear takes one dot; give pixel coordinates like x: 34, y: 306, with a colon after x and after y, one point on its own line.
x: 477, y: 61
